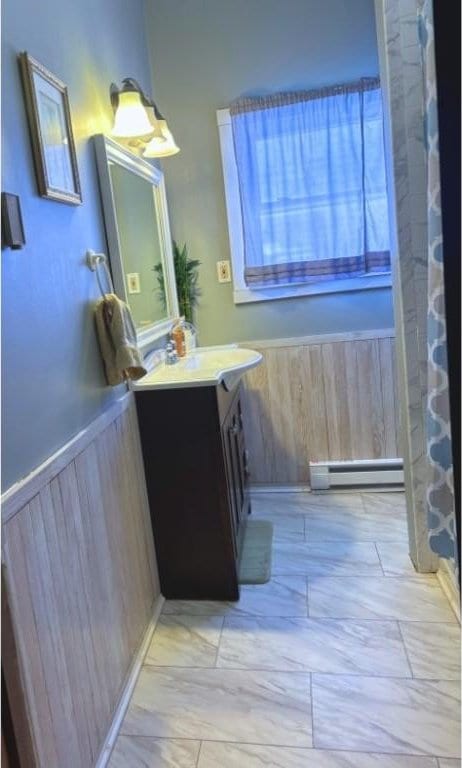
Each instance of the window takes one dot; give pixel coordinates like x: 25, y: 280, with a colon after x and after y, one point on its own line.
x: 306, y: 192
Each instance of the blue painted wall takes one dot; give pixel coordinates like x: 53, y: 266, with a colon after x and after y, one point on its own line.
x: 52, y: 381
x: 206, y: 53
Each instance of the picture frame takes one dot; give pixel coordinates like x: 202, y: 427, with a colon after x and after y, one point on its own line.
x: 49, y: 117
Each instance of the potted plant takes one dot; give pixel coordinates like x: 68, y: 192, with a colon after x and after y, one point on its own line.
x: 186, y: 277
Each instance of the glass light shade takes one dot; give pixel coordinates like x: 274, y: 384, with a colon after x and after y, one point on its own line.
x: 131, y: 118
x: 162, y: 143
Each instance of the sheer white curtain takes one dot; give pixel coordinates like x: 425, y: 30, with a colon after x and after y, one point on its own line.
x: 311, y: 171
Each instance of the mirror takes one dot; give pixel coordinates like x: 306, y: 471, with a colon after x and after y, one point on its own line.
x: 138, y: 234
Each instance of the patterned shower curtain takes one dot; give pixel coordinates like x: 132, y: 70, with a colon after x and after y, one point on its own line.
x: 440, y: 489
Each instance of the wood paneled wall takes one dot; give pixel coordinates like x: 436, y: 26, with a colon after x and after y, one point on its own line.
x: 81, y: 577
x: 320, y: 398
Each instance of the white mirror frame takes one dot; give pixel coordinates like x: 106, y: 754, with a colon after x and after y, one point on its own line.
x: 107, y: 152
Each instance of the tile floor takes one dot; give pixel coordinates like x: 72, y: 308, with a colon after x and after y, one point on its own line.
x: 346, y: 659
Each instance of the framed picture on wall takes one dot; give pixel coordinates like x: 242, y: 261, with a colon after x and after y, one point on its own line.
x: 50, y: 126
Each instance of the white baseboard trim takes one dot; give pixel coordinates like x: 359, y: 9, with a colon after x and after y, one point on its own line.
x: 129, y: 686
x: 448, y: 583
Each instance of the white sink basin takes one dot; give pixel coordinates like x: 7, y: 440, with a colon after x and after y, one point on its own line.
x: 204, y: 366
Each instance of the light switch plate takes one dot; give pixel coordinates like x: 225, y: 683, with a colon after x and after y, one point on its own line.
x: 133, y: 282
x: 224, y: 271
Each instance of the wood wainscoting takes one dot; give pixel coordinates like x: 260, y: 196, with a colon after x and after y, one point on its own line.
x: 318, y: 398
x: 81, y: 585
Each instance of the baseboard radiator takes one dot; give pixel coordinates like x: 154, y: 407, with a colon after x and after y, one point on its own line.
x: 380, y: 473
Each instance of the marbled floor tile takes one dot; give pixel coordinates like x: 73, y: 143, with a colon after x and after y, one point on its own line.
x: 278, y: 504
x: 214, y: 755
x: 382, y: 502
x: 185, y: 641
x: 282, y: 596
x: 313, y: 645
x: 282, y: 533
x: 395, y: 559
x: 352, y: 525
x: 303, y: 503
x: 285, y: 526
x: 142, y: 752
x: 332, y: 500
x: 383, y: 597
x: 320, y: 558
x: 222, y: 705
x: 386, y: 715
x: 433, y: 649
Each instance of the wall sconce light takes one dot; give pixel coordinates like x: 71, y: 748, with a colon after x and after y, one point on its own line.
x: 161, y: 143
x: 129, y: 103
x: 137, y: 117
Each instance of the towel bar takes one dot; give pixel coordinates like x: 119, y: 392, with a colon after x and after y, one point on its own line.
x: 93, y: 261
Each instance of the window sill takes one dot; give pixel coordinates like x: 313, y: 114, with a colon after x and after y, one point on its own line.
x: 245, y: 295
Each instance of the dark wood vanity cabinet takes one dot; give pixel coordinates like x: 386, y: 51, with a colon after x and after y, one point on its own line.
x: 196, y: 474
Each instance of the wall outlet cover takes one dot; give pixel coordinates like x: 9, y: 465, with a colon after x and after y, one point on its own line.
x: 224, y: 271
x: 133, y: 282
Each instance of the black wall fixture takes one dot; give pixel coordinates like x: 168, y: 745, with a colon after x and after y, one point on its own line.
x: 12, y: 226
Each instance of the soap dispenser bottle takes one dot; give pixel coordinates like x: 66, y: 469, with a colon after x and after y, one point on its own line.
x: 178, y: 337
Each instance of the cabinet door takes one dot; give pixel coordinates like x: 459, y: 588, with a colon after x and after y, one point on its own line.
x: 242, y: 457
x: 232, y: 471
x: 235, y: 454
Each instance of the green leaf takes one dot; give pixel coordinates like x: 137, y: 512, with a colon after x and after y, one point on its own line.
x: 186, y: 275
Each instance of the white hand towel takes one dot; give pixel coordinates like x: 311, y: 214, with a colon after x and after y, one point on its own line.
x: 117, y: 340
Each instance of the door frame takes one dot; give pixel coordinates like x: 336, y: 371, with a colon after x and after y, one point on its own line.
x: 389, y: 21
x: 413, y: 446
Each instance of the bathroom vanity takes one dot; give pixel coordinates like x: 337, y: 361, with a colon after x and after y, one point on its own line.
x: 196, y: 474
x: 189, y: 413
